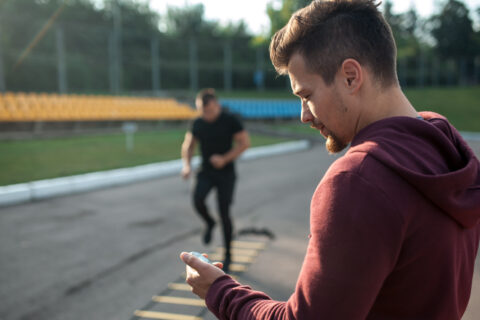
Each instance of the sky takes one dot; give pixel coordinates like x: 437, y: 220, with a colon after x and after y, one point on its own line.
x: 253, y: 12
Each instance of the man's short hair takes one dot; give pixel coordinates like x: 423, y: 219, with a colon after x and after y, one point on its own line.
x: 205, y: 96
x: 326, y: 33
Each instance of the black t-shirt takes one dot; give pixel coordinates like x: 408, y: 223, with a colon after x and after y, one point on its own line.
x: 216, y: 137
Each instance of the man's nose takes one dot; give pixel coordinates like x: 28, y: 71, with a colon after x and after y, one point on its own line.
x: 306, y: 115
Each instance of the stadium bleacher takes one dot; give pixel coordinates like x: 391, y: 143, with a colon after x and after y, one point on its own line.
x: 32, y: 107
x: 22, y: 107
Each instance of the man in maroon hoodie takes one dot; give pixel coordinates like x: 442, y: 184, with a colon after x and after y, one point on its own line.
x: 394, y: 222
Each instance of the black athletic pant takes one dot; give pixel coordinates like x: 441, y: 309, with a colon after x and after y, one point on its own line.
x: 224, y: 182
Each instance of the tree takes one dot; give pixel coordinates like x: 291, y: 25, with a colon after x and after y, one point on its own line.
x: 393, y: 20
x: 453, y: 31
x: 233, y: 29
x: 279, y: 17
x: 410, y: 22
x: 30, y: 41
x: 404, y: 27
x: 477, y: 37
x: 188, y: 21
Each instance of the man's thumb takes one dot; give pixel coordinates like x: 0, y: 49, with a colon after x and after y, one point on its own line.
x: 191, y: 260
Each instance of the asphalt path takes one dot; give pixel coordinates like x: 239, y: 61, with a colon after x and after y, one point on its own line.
x: 104, y: 254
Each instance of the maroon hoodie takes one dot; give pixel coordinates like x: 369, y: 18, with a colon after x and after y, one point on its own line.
x: 394, y: 232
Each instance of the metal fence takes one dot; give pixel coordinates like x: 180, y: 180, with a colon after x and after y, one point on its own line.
x: 125, y: 62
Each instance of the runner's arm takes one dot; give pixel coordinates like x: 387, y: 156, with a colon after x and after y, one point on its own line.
x: 188, y: 148
x: 242, y: 143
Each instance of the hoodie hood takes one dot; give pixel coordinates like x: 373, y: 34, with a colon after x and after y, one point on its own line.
x: 431, y: 155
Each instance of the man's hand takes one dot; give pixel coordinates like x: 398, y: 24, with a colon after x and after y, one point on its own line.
x: 201, y: 275
x: 186, y: 171
x: 218, y: 161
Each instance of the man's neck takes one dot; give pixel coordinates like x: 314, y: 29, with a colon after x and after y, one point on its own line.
x: 215, y: 118
x: 391, y: 102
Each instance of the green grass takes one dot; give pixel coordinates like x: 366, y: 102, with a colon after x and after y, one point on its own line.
x: 29, y: 160
x: 460, y: 105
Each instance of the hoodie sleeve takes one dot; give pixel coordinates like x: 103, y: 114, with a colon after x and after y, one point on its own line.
x: 355, y: 241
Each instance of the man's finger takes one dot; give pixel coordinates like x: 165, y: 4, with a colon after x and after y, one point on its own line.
x: 200, y: 266
x: 192, y: 261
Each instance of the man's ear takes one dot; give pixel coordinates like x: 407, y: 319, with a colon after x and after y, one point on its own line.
x: 352, y: 75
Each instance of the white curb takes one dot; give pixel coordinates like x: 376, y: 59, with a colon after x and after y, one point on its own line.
x: 43, y: 189
x: 470, y: 136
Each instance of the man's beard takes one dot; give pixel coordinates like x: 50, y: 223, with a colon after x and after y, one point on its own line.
x: 333, y: 144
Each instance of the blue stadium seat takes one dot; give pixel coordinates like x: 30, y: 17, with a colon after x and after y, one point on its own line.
x: 263, y: 109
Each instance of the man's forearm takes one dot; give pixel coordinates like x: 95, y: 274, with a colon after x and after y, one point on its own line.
x: 187, y: 154
x: 234, y: 153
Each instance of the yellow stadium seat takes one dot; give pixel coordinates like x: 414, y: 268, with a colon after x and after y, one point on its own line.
x: 23, y: 106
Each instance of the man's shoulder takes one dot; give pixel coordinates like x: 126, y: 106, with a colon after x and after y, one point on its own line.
x: 357, y: 163
x: 359, y: 168
x: 350, y: 162
x: 229, y: 116
x: 354, y: 171
x: 196, y: 127
x: 197, y: 122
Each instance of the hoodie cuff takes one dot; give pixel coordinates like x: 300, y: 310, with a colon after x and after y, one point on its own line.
x: 216, y: 293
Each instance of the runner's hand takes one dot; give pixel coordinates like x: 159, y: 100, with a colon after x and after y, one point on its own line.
x: 217, y: 161
x: 186, y: 171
